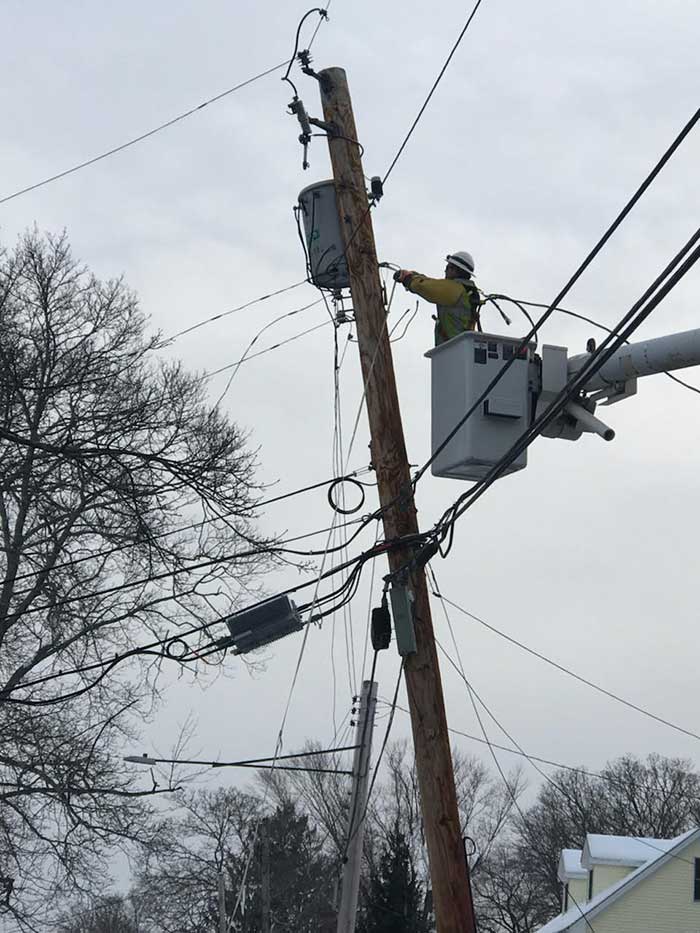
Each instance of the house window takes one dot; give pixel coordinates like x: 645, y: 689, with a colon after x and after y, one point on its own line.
x: 696, y: 880
x: 590, y: 884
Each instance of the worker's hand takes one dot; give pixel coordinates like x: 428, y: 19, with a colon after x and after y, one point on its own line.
x: 403, y: 276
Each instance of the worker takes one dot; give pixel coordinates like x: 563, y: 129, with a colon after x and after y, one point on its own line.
x: 456, y: 296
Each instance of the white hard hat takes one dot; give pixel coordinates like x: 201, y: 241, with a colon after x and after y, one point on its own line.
x: 463, y: 261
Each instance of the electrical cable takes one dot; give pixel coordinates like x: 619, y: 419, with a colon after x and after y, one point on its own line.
x: 473, y: 693
x: 602, y: 241
x: 280, y: 735
x: 195, y: 525
x: 432, y: 91
x: 138, y: 139
x: 487, y: 740
x: 248, y: 304
x: 368, y: 624
x: 237, y: 365
x: 565, y: 670
x: 276, y: 346
x: 586, y: 772
x: 338, y: 461
x: 200, y: 565
x: 594, y: 323
x: 641, y: 190
x: 107, y: 664
x: 323, y: 12
x: 653, y: 296
x: 407, y: 325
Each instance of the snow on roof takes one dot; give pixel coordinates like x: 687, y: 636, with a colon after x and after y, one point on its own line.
x: 631, y: 851
x: 566, y: 921
x: 570, y: 866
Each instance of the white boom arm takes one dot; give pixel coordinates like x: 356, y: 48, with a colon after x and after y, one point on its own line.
x: 675, y: 351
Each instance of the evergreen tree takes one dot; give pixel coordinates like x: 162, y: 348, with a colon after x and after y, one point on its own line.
x: 300, y: 875
x: 395, y: 897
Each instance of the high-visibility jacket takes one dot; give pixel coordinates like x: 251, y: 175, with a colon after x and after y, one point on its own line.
x: 457, y: 303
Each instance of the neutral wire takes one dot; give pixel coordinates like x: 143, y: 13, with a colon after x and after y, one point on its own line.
x: 138, y: 139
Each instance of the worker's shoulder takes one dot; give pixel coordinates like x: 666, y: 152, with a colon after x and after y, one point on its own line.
x: 469, y: 289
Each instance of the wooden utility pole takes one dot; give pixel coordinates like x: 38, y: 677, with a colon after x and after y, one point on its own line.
x: 451, y: 895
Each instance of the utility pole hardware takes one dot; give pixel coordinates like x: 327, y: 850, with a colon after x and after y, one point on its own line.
x: 358, y: 808
x: 449, y: 877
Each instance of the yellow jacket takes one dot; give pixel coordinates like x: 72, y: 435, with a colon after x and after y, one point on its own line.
x: 457, y: 303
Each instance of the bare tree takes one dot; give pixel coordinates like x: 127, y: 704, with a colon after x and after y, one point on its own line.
x: 113, y: 914
x: 485, y: 805
x: 222, y: 831
x: 177, y: 879
x: 125, y: 532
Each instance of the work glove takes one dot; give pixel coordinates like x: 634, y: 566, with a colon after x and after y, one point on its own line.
x: 404, y: 276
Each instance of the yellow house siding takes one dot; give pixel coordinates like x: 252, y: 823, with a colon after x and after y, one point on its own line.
x: 579, y: 889
x: 605, y: 875
x: 660, y: 903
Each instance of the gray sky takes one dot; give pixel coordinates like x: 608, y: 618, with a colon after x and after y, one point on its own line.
x: 546, y: 121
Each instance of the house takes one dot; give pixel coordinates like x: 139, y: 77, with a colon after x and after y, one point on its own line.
x: 621, y: 884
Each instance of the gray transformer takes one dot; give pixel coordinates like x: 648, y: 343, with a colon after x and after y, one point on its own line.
x: 324, y: 241
x: 461, y: 369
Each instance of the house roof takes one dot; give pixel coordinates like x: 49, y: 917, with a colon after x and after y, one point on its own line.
x: 570, y: 866
x: 631, y: 851
x: 574, y: 917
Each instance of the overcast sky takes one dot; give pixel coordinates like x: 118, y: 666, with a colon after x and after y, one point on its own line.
x: 548, y: 118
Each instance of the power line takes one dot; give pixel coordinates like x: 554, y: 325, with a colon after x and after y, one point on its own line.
x: 276, y: 346
x: 237, y: 365
x: 568, y: 671
x: 639, y: 311
x: 146, y: 135
x: 199, y: 565
x: 641, y: 190
x: 195, y: 525
x: 472, y: 696
x: 149, y: 648
x: 248, y: 304
x: 432, y: 91
x: 595, y: 250
x: 501, y: 727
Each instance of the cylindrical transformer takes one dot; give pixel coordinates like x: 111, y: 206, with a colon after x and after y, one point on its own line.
x: 324, y: 241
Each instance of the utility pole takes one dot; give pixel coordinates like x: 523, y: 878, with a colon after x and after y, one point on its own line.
x: 450, y: 882
x: 223, y: 927
x: 358, y: 808
x: 265, y: 875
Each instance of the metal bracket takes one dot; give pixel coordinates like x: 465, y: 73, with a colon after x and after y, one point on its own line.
x: 330, y: 128
x: 615, y: 392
